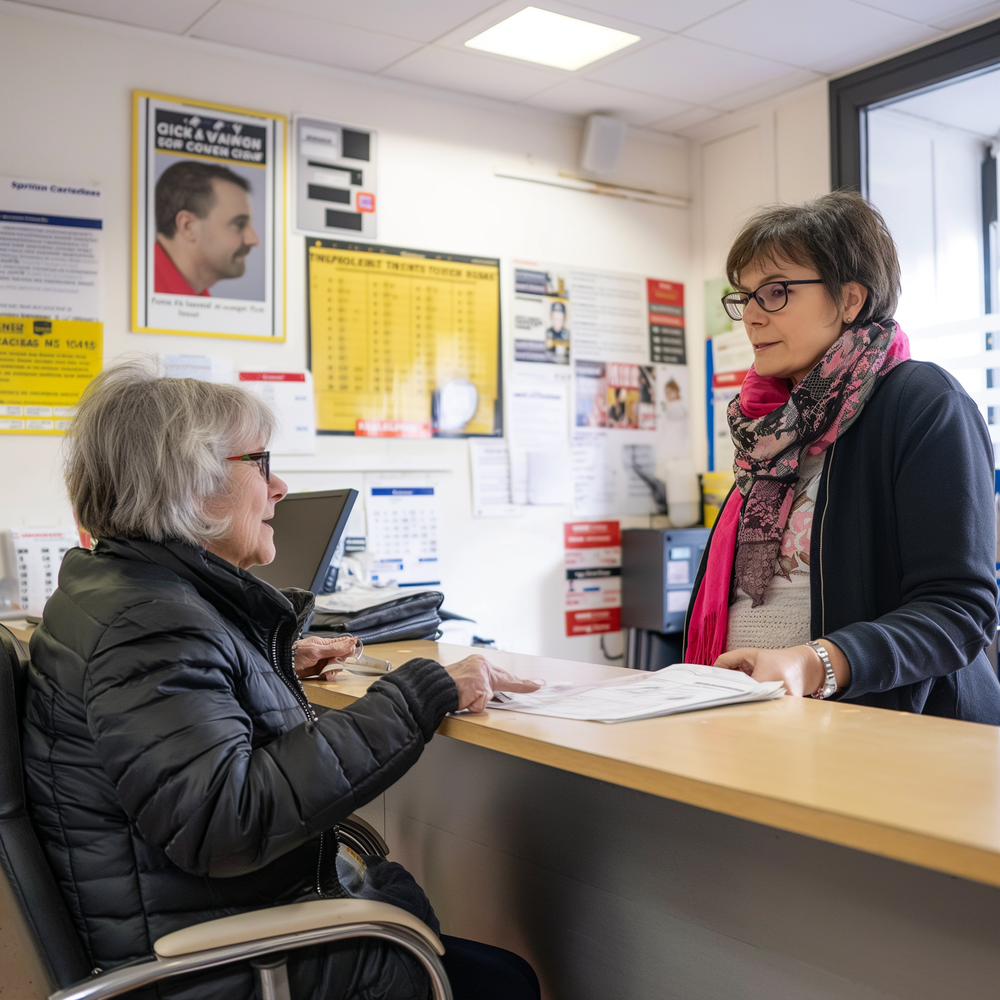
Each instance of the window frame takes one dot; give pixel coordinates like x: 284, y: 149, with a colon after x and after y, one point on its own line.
x: 851, y: 95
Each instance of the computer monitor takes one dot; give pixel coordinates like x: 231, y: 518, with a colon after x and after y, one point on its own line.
x: 307, y: 530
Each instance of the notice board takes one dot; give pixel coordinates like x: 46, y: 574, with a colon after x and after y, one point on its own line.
x: 404, y: 343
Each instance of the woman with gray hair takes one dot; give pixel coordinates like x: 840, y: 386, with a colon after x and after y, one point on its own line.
x: 175, y: 768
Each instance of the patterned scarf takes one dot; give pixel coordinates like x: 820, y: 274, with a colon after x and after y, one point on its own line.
x: 773, y: 428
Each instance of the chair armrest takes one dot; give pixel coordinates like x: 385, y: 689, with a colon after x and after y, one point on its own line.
x: 294, y: 918
x: 252, y: 935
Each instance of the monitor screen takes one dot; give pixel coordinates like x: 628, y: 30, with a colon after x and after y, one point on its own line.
x: 307, y: 530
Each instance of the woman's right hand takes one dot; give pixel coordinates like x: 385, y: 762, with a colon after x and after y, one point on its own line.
x: 476, y: 679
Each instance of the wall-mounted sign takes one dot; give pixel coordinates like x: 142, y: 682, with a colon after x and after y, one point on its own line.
x: 335, y: 177
x: 208, y: 253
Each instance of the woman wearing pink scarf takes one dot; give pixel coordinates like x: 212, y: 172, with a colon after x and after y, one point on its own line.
x: 854, y: 557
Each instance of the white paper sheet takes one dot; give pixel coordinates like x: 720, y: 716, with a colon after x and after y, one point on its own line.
x: 683, y: 687
x: 538, y: 422
x: 290, y: 395
x: 207, y: 367
x: 489, y: 464
x: 38, y: 553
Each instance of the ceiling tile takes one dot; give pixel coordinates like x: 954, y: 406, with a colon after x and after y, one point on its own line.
x: 769, y: 88
x: 176, y: 16
x: 939, y: 13
x: 469, y: 73
x: 421, y: 21
x: 686, y: 119
x: 268, y: 30
x: 688, y: 70
x: 824, y: 35
x: 674, y: 16
x: 584, y: 97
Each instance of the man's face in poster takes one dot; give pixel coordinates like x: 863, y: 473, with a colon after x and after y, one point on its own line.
x: 211, y: 234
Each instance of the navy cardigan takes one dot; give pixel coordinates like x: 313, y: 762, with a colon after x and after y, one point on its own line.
x: 902, y: 574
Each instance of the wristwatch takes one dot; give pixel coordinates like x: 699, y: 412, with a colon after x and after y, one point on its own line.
x: 829, y: 688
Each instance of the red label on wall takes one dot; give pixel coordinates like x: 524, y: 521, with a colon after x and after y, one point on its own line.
x: 669, y: 293
x: 392, y: 428
x: 728, y: 380
x: 591, y: 534
x: 272, y: 377
x: 593, y: 621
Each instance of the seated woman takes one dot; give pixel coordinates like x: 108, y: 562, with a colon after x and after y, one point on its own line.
x: 175, y: 768
x: 855, y: 556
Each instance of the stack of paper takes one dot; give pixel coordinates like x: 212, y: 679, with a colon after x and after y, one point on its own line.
x: 684, y: 687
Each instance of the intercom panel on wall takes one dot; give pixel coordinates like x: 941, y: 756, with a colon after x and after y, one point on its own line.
x: 335, y: 179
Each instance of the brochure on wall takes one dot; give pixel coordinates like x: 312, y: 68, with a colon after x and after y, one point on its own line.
x: 593, y: 559
x: 404, y: 343
x: 403, y: 521
x: 208, y: 219
x: 208, y: 367
x: 38, y: 553
x: 542, y: 319
x: 731, y: 357
x: 51, y: 295
x: 290, y: 396
x: 489, y: 464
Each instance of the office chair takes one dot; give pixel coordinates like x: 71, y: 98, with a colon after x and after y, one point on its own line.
x: 42, y: 944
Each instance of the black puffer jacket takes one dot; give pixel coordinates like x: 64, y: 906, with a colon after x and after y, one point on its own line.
x: 176, y: 770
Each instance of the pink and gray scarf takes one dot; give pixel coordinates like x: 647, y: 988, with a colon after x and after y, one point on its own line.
x: 773, y: 427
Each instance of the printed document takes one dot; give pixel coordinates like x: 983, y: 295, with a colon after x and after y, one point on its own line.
x: 684, y: 687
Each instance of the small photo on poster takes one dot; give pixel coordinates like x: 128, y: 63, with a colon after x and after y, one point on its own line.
x: 673, y: 411
x: 630, y: 392
x: 541, y: 316
x: 591, y: 394
x: 208, y: 239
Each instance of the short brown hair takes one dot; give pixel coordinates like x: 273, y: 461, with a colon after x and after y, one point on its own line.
x: 187, y: 187
x: 840, y: 235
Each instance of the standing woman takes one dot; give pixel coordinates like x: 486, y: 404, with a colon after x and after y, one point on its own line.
x: 854, y: 558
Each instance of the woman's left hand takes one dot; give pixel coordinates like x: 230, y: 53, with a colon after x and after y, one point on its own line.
x: 312, y: 655
x: 799, y: 668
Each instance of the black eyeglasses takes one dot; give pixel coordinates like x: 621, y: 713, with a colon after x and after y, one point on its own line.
x: 262, y: 458
x: 770, y: 297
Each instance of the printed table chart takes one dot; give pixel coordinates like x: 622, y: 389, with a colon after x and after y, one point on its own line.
x: 399, y: 339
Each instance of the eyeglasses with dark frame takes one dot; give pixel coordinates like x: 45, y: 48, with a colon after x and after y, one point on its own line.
x: 771, y: 296
x: 262, y: 458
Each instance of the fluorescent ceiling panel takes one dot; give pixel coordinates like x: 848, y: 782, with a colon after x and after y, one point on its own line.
x: 540, y: 36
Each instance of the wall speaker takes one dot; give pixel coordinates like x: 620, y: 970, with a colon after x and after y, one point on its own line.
x: 602, y: 144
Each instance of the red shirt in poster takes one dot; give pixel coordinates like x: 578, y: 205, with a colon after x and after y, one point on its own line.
x: 167, y: 279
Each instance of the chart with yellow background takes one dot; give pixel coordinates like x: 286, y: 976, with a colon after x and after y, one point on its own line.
x: 404, y: 343
x: 44, y: 367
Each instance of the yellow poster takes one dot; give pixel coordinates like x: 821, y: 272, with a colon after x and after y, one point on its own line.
x: 404, y: 343
x: 44, y: 367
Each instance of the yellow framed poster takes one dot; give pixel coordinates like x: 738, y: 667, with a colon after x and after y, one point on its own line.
x: 208, y: 241
x: 404, y: 343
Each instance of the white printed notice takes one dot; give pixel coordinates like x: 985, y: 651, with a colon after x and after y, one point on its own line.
x: 539, y: 443
x: 404, y: 524
x: 489, y: 464
x: 38, y: 554
x: 290, y: 396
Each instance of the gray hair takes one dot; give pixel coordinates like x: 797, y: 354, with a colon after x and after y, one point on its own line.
x: 146, y: 453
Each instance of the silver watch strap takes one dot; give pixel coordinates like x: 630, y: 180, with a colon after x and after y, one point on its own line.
x: 829, y: 687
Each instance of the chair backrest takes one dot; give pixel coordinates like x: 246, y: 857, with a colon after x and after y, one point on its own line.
x: 31, y: 907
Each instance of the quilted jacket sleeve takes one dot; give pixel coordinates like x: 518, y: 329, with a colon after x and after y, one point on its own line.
x: 163, y: 707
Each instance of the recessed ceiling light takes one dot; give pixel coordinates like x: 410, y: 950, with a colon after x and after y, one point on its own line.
x: 540, y: 36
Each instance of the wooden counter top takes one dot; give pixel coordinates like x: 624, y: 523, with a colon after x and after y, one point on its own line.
x: 914, y: 788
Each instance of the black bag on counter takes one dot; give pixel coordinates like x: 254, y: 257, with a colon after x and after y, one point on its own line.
x: 414, y: 616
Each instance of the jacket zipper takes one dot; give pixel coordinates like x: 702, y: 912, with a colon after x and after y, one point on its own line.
x: 297, y: 693
x: 319, y: 866
x: 822, y: 529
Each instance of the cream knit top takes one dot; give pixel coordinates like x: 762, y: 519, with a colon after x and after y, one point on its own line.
x: 784, y: 618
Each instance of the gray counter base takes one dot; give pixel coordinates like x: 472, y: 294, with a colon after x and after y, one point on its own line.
x: 612, y: 893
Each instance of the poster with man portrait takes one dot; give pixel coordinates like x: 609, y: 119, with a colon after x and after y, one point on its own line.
x: 208, y: 251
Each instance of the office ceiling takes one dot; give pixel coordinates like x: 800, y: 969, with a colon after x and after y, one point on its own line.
x: 696, y: 60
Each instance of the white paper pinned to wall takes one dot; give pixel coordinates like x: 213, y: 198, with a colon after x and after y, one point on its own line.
x: 489, y: 463
x: 290, y: 395
x: 38, y: 553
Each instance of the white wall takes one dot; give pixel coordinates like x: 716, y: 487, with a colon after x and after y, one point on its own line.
x: 68, y: 118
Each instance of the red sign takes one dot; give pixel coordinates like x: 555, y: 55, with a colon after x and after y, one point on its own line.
x: 392, y: 428
x: 669, y: 293
x: 593, y: 621
x: 728, y: 380
x: 272, y: 377
x: 591, y: 534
